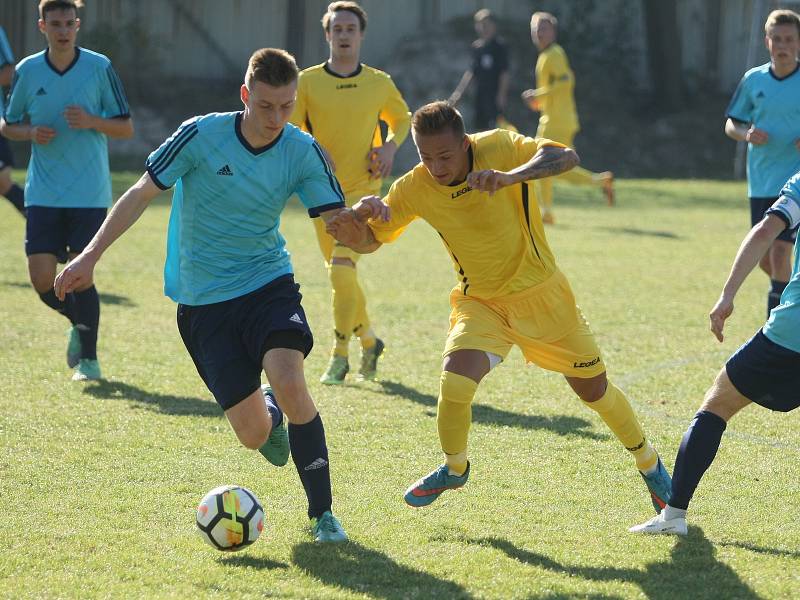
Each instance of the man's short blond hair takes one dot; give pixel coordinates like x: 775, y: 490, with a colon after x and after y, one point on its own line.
x: 272, y: 66
x: 437, y: 117
x: 484, y: 14
x: 782, y: 17
x: 544, y: 16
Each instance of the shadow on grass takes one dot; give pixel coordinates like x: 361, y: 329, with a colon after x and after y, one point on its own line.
x: 641, y: 232
x: 366, y: 571
x: 170, y: 405
x: 105, y: 298
x: 762, y: 549
x: 693, y: 572
x: 243, y: 560
x: 488, y: 415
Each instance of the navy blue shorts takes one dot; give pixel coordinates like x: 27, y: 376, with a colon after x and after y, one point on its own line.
x: 759, y: 206
x: 766, y: 373
x: 51, y: 230
x: 228, y: 340
x: 6, y: 157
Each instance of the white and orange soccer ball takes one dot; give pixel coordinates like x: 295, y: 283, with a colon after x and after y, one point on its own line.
x: 230, y: 518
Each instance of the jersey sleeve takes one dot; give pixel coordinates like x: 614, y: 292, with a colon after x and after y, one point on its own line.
x: 396, y: 115
x: 113, y: 99
x: 175, y: 157
x: 6, y: 55
x: 554, y: 72
x: 401, y: 214
x: 17, y: 106
x: 525, y: 148
x: 318, y: 188
x: 787, y: 207
x: 299, y: 116
x: 741, y: 105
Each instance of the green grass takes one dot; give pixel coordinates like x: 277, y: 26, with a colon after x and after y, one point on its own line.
x: 98, y: 482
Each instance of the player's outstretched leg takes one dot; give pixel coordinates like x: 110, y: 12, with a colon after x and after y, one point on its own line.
x: 614, y: 408
x: 429, y: 488
x: 87, y: 322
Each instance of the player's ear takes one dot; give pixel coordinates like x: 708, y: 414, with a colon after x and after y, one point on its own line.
x: 41, y: 25
x: 77, y: 23
x: 465, y: 143
x: 244, y: 94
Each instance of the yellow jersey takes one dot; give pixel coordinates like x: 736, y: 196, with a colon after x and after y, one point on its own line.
x: 497, y: 242
x: 555, y: 90
x: 342, y: 113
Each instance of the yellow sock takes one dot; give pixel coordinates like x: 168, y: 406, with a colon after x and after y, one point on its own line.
x: 616, y: 411
x: 345, y: 291
x: 454, y: 417
x: 362, y: 328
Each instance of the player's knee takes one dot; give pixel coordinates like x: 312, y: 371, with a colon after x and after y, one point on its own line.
x: 252, y: 437
x: 589, y: 390
x: 42, y: 282
x: 780, y: 252
x: 293, y: 397
x: 766, y: 264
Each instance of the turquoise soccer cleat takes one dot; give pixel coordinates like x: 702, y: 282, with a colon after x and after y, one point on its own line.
x: 659, y: 483
x: 276, y: 448
x: 430, y: 487
x: 327, y: 529
x: 369, y: 361
x: 88, y: 369
x: 73, y: 347
x: 336, y: 371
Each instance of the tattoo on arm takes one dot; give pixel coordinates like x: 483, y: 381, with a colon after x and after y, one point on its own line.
x: 547, y: 162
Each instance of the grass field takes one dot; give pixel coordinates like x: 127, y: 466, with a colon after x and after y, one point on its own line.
x: 99, y: 481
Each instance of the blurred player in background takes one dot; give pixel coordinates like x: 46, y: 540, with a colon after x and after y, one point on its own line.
x: 489, y: 69
x: 340, y: 103
x: 8, y: 188
x: 239, y: 308
x: 765, y: 371
x: 66, y: 101
x: 554, y: 100
x: 763, y: 113
x: 473, y: 190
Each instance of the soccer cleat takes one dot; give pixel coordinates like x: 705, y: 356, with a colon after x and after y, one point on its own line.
x: 608, y: 186
x: 369, y: 361
x: 327, y: 529
x: 659, y: 483
x: 430, y: 487
x: 276, y: 448
x: 336, y: 371
x: 661, y: 525
x: 73, y: 347
x: 88, y: 369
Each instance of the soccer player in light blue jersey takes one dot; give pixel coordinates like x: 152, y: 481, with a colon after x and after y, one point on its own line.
x: 764, y: 113
x: 66, y: 101
x: 227, y: 267
x: 766, y: 370
x: 8, y: 188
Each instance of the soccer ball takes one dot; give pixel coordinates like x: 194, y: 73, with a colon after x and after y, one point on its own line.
x: 230, y: 518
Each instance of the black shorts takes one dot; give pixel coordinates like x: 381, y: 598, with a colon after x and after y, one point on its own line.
x: 6, y: 157
x: 228, y: 340
x: 766, y: 373
x: 759, y: 206
x: 50, y: 230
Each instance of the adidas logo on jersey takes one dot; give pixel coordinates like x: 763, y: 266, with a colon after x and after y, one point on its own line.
x: 760, y: 95
x: 226, y: 170
x: 41, y: 92
x: 295, y: 318
x: 317, y: 464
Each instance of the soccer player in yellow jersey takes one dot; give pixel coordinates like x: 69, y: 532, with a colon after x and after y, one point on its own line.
x: 473, y: 190
x: 554, y: 99
x: 340, y: 102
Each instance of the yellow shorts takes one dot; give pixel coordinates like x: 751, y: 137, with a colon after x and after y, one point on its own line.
x: 330, y: 247
x: 543, y: 321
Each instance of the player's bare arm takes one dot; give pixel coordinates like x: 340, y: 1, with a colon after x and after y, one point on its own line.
x: 349, y: 226
x: 381, y: 160
x: 125, y: 213
x: 547, y: 162
x: 6, y: 75
x: 23, y: 132
x: 754, y: 246
x: 745, y: 132
x: 78, y: 118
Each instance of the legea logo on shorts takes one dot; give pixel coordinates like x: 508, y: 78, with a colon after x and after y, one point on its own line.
x: 581, y: 365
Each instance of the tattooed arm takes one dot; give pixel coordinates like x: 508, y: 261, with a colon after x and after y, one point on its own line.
x: 547, y: 162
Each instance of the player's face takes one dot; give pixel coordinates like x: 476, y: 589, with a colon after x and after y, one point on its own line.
x: 267, y: 109
x: 783, y: 43
x: 444, y: 155
x: 60, y: 27
x: 543, y: 34
x: 485, y: 29
x: 344, y: 35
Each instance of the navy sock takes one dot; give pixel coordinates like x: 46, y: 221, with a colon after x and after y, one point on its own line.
x: 17, y: 197
x: 774, y: 296
x: 698, y: 448
x: 87, y: 318
x: 274, y: 410
x: 66, y: 308
x: 310, y: 455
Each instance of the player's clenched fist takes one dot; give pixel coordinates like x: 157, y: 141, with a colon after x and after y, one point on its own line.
x: 42, y: 135
x: 488, y: 180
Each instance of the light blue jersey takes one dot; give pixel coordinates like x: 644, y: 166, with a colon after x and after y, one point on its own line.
x: 223, y: 239
x: 6, y: 58
x: 773, y: 105
x: 783, y: 326
x: 72, y: 170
